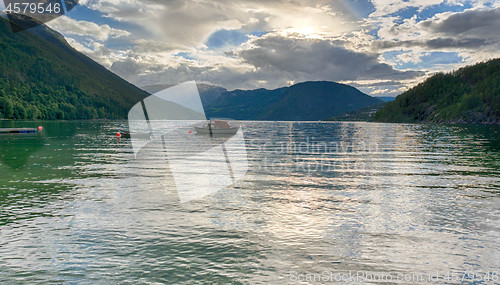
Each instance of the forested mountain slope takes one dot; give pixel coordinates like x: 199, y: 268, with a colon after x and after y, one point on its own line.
x: 468, y: 95
x: 42, y: 77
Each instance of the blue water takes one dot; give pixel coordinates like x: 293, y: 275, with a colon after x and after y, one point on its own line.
x: 318, y: 200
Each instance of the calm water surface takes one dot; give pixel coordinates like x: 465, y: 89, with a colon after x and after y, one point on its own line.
x: 318, y: 198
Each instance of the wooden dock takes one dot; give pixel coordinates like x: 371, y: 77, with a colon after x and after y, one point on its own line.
x: 18, y: 131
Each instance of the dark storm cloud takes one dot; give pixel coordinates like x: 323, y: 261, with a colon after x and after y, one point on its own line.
x: 437, y: 43
x: 307, y: 59
x: 470, y: 30
x: 271, y: 61
x: 473, y: 22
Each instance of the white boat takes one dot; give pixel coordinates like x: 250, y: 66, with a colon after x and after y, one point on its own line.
x: 216, y: 127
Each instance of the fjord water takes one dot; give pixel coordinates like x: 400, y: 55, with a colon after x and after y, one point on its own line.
x: 76, y: 207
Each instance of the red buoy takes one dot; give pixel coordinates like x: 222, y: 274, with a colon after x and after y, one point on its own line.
x: 40, y: 128
x: 119, y: 135
x: 190, y: 132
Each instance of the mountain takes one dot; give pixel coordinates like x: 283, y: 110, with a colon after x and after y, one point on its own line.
x: 468, y: 95
x: 43, y: 77
x: 362, y: 115
x: 244, y: 104
x: 303, y: 101
x: 208, y: 93
x: 386, y: 99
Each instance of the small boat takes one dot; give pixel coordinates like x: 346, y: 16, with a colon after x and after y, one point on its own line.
x: 128, y: 135
x: 216, y: 127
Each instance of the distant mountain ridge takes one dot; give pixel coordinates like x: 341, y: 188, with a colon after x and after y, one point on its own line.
x: 43, y: 77
x: 208, y: 93
x: 468, y: 95
x: 312, y: 100
x: 386, y: 98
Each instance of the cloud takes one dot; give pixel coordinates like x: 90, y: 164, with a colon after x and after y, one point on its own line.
x: 435, y: 44
x: 97, y: 51
x: 256, y: 43
x: 192, y: 22
x: 469, y: 29
x: 127, y: 67
x: 471, y: 34
x: 317, y: 59
x: 383, y: 87
x: 270, y: 61
x: 70, y: 26
x: 384, y: 8
x: 471, y: 23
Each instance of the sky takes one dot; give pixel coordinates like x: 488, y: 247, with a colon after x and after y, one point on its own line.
x: 382, y: 47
